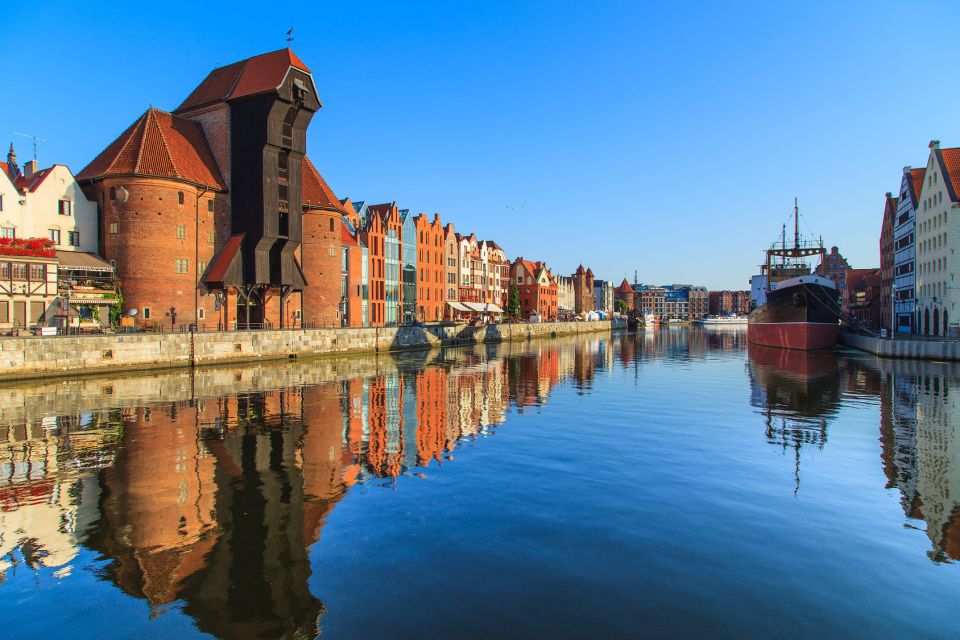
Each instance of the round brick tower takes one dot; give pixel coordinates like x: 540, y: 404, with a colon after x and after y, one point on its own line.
x: 321, y: 251
x: 164, y: 212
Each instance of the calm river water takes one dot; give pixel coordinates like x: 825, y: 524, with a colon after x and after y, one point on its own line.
x: 672, y: 483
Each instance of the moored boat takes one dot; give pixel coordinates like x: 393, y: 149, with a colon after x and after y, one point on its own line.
x: 791, y: 307
x: 724, y: 321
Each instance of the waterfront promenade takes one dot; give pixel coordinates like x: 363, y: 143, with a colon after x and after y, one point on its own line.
x: 911, y: 348
x: 35, y: 356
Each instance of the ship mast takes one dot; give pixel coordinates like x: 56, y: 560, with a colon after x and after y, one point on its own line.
x: 796, y: 225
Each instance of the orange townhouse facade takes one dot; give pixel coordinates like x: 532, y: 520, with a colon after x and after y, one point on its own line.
x: 537, y: 289
x: 431, y: 270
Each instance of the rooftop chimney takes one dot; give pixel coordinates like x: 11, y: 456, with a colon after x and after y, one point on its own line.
x: 29, y: 168
x: 934, y: 144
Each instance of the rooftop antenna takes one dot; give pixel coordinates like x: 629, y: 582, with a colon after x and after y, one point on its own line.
x: 36, y: 139
x: 290, y: 37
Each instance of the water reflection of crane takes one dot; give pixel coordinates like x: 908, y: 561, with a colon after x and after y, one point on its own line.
x: 797, y: 391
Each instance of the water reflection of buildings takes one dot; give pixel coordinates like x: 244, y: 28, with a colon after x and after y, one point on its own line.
x: 213, y: 502
x: 797, y: 392
x: 46, y: 466
x: 920, y: 439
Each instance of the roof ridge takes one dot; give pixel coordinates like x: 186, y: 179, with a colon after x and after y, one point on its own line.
x: 243, y: 66
x: 143, y: 138
x: 125, y: 144
x: 166, y: 147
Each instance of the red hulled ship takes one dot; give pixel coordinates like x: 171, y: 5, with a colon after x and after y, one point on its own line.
x: 791, y: 307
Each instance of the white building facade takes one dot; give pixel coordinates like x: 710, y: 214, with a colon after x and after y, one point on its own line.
x: 937, y: 285
x: 46, y: 203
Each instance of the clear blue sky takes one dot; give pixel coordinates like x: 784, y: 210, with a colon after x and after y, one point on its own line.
x: 666, y: 137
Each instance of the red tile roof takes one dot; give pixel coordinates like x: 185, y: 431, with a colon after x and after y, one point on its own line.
x: 159, y: 144
x: 220, y: 264
x: 259, y: 74
x: 316, y: 193
x: 624, y: 287
x: 951, y: 167
x: 916, y: 177
x: 24, y: 184
x: 5, y: 168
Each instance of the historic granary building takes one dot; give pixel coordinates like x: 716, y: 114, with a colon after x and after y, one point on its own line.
x: 213, y: 214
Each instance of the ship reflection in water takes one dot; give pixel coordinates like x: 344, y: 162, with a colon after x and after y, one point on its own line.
x: 203, y: 495
x: 798, y: 391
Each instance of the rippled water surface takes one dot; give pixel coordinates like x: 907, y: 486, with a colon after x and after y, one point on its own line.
x: 671, y: 483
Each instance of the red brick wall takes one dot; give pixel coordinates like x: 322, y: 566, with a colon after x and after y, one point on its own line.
x: 431, y: 273
x: 321, y: 267
x: 141, y: 238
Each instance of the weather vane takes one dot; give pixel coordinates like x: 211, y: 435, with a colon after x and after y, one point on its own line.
x: 289, y: 35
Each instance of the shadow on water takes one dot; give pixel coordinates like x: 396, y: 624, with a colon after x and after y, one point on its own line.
x: 207, y: 488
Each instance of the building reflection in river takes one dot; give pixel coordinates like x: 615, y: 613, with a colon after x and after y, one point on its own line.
x: 799, y: 394
x: 205, y: 490
x: 920, y: 419
x: 213, y: 502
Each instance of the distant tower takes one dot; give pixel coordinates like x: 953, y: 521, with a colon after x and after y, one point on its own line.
x: 12, y: 163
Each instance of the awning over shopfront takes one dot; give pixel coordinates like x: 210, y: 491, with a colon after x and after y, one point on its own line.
x: 82, y: 261
x: 459, y: 307
x: 481, y: 307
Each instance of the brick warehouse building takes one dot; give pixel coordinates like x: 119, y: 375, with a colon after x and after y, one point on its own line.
x: 203, y: 209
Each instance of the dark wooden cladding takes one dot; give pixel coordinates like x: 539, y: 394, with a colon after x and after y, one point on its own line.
x: 269, y: 132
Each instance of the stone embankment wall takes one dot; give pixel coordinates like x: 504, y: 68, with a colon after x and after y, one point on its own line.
x: 29, y: 357
x: 903, y: 348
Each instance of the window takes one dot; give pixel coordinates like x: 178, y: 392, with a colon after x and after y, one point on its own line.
x: 73, y: 238
x: 113, y: 193
x: 209, y: 205
x: 64, y: 207
x: 202, y: 265
x: 181, y: 232
x: 113, y: 228
x: 8, y: 232
x: 200, y: 313
x: 55, y: 235
x: 179, y: 197
x: 209, y: 237
x: 18, y: 271
x: 183, y: 265
x: 4, y: 312
x: 146, y: 313
x: 38, y: 272
x: 1, y: 202
x: 332, y: 251
x: 331, y: 225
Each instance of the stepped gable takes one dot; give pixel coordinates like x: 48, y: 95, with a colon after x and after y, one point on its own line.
x: 162, y: 145
x: 249, y: 77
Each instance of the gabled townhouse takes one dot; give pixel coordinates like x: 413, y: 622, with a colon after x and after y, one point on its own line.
x: 904, y: 251
x: 431, y: 271
x: 536, y: 287
x: 408, y: 266
x: 938, y: 244
x: 890, y: 206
